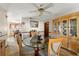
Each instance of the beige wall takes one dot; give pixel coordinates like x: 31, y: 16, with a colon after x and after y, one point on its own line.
x: 27, y: 27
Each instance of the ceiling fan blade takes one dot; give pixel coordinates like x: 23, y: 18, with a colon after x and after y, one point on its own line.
x: 48, y: 12
x: 35, y: 5
x: 25, y: 18
x: 48, y: 6
x: 32, y: 17
x: 33, y: 11
x: 41, y: 4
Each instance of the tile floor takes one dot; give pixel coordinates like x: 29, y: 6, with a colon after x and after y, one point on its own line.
x: 13, y: 50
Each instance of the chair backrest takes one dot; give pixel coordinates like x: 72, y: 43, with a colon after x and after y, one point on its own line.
x: 19, y: 41
x: 54, y: 46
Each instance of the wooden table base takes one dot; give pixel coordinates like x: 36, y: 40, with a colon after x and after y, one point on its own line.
x: 37, y: 51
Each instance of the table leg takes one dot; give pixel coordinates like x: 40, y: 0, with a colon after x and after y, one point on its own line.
x: 37, y: 51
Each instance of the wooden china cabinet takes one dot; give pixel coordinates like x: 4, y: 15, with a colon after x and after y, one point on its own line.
x: 67, y: 26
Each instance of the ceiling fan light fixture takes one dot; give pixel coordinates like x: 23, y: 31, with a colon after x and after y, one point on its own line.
x: 41, y: 9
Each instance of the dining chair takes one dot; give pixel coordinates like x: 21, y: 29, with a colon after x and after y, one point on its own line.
x: 24, y: 48
x: 54, y: 46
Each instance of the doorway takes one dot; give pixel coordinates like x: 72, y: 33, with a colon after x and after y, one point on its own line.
x: 46, y: 29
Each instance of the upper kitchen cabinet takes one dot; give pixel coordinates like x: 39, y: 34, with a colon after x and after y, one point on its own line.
x: 3, y: 20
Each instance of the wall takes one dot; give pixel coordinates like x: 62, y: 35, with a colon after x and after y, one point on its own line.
x: 27, y: 28
x: 50, y: 26
x: 3, y: 20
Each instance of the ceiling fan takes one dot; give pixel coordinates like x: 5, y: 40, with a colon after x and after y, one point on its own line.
x: 29, y: 18
x: 42, y: 8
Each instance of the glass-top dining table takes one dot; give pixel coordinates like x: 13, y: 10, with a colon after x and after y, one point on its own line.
x: 37, y: 45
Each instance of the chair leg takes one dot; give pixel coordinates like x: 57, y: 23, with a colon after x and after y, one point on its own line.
x: 58, y: 51
x: 20, y: 51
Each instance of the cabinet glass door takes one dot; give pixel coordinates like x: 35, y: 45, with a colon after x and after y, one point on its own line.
x: 54, y: 27
x: 64, y: 28
x: 59, y: 28
x: 73, y: 27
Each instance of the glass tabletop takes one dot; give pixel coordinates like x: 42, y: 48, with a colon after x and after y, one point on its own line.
x: 27, y: 42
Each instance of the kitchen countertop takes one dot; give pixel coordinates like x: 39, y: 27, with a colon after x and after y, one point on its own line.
x: 3, y: 37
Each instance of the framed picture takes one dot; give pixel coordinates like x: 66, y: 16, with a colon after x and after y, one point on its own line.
x: 34, y: 24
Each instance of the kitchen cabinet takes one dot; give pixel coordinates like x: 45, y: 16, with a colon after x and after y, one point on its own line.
x: 2, y: 47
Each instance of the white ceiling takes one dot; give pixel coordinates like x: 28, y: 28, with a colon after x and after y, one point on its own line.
x: 18, y: 10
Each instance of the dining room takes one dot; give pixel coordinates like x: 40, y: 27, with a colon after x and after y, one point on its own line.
x: 39, y: 29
